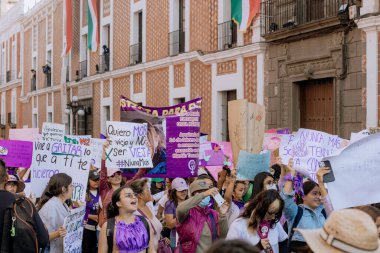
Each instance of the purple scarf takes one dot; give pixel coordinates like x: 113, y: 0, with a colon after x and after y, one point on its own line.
x: 131, y: 238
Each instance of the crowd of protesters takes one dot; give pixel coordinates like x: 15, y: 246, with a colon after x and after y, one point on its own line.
x: 277, y: 212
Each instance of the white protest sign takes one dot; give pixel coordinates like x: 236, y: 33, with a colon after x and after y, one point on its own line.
x: 128, y: 145
x: 357, y: 174
x: 50, y: 158
x: 53, y: 131
x: 97, y: 150
x: 73, y: 223
x: 308, y: 147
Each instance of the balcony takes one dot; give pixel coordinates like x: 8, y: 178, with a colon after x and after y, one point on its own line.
x: 68, y: 73
x: 33, y: 84
x: 227, y: 35
x: 284, y: 18
x: 10, y: 75
x: 2, y: 121
x: 82, y: 71
x: 2, y: 79
x: 135, y: 54
x: 48, y: 80
x: 11, y: 120
x: 176, y: 42
x: 104, y: 63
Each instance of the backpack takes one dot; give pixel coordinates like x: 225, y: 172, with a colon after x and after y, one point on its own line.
x: 285, y: 246
x: 23, y: 230
x: 111, y: 228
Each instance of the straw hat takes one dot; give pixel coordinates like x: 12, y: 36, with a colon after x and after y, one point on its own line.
x: 349, y: 230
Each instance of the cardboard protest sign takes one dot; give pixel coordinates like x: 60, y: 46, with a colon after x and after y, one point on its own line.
x: 24, y: 134
x: 50, y: 158
x: 246, y: 122
x: 357, y: 174
x: 249, y: 165
x: 96, y: 150
x: 174, y: 134
x: 128, y: 145
x: 53, y: 132
x: 308, y: 147
x: 73, y: 223
x: 18, y: 153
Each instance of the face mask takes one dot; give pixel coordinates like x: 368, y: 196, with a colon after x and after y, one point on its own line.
x: 204, y: 202
x: 271, y: 187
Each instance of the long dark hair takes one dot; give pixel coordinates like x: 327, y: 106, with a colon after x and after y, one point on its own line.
x: 307, y: 187
x: 258, y: 183
x: 138, y: 185
x: 3, y: 172
x: 54, y: 188
x: 257, y: 208
x: 173, y: 197
x: 112, y: 208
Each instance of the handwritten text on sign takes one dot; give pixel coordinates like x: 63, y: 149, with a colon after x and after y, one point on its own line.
x: 50, y: 158
x: 53, y: 132
x: 307, y: 148
x: 128, y: 145
x: 72, y: 242
x: 19, y: 153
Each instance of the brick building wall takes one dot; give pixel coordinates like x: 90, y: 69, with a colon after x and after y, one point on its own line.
x: 57, y: 44
x: 157, y: 29
x: 41, y: 54
x: 27, y: 59
x: 120, y: 87
x: 121, y: 34
x: 157, y: 87
x: 201, y: 87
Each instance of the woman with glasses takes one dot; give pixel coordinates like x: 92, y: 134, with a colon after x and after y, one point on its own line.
x: 53, y: 209
x: 124, y: 231
x: 198, y: 226
x: 259, y: 224
x: 93, y: 203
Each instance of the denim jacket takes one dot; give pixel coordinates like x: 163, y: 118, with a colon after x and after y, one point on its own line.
x: 311, y: 219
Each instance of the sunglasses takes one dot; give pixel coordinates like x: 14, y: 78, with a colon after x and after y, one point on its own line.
x: 116, y: 174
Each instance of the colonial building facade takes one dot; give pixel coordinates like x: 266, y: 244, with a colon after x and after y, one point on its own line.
x: 306, y: 66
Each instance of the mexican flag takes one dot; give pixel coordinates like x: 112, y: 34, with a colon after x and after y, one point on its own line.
x: 68, y: 13
x: 244, y: 11
x: 93, y: 28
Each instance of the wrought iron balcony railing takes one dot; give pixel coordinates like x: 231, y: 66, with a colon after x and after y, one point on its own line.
x: 227, y: 35
x: 135, y: 54
x: 176, y: 42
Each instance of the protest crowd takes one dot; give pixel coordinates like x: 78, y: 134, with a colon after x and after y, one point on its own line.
x: 129, y: 191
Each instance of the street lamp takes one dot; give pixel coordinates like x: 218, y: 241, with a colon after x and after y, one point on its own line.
x: 76, y: 109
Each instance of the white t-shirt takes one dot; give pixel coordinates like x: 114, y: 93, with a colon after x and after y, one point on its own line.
x: 239, y: 230
x: 233, y: 213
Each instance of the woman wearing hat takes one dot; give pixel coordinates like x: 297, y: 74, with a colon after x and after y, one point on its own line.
x: 93, y: 204
x: 14, y: 184
x: 345, y: 231
x: 178, y: 194
x: 198, y: 224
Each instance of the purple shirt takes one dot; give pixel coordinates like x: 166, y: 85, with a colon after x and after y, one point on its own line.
x: 170, y: 208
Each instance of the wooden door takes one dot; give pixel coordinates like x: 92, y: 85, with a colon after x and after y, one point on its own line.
x: 317, y: 105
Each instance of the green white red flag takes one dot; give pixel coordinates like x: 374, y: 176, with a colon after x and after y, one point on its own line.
x: 244, y: 11
x: 93, y: 26
x: 68, y: 17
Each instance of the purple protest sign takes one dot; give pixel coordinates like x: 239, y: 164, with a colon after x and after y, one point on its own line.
x: 173, y: 134
x: 19, y: 153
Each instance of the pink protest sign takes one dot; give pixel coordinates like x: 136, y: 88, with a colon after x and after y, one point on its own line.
x: 19, y: 153
x: 272, y: 143
x: 24, y: 134
x: 214, y: 155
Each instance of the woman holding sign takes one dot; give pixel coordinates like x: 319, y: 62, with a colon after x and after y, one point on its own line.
x: 124, y: 231
x: 311, y: 213
x: 53, y: 209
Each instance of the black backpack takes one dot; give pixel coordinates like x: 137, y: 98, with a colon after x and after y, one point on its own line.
x: 285, y: 246
x: 111, y: 228
x: 23, y: 230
